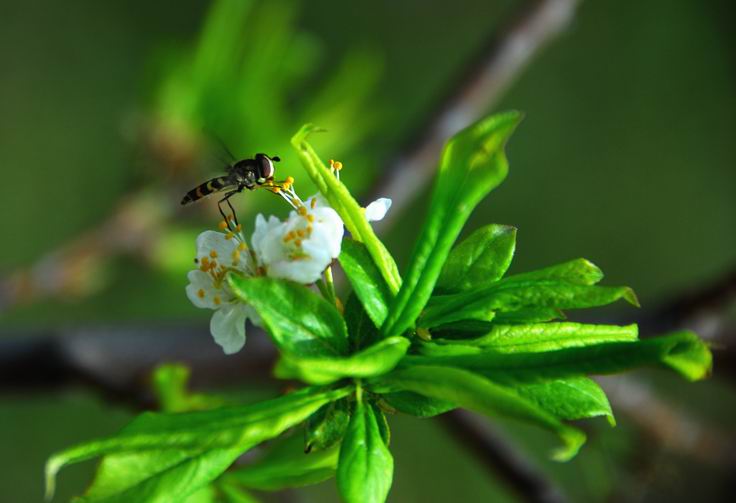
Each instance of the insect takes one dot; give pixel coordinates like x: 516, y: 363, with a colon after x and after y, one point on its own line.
x: 244, y: 174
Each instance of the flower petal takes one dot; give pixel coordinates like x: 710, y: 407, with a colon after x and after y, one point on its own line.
x: 211, y: 243
x: 200, y: 290
x: 377, y: 209
x: 228, y: 327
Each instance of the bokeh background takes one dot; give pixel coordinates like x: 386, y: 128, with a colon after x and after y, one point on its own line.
x: 627, y: 156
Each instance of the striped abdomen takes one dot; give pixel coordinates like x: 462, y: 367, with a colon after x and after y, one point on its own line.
x: 207, y: 188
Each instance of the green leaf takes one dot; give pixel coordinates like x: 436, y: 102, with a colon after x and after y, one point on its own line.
x: 529, y: 315
x: 682, y: 351
x: 286, y: 465
x: 372, y: 361
x: 366, y: 280
x: 300, y: 322
x: 170, y: 385
x: 365, y: 466
x: 361, y: 329
x: 477, y: 393
x: 507, y: 295
x: 382, y: 422
x: 415, y: 404
x: 205, y: 495
x: 327, y: 426
x: 544, y: 337
x: 167, y: 457
x: 571, y: 398
x: 472, y: 164
x: 479, y: 260
x: 346, y: 206
x: 578, y: 272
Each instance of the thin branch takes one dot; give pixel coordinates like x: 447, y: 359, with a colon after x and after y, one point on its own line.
x: 501, y: 458
x: 498, y: 64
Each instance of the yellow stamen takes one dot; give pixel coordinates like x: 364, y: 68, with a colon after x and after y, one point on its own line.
x: 298, y: 243
x: 310, y: 218
x: 301, y: 210
x: 300, y: 233
x: 217, y: 300
x: 229, y: 235
x: 313, y: 204
x: 222, y: 225
x: 238, y: 227
x: 337, y: 165
x: 290, y: 180
x: 200, y: 293
x: 236, y: 254
x: 213, y: 254
x: 242, y: 247
x: 276, y: 190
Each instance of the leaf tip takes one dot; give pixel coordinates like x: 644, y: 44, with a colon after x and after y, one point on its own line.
x: 574, y: 439
x: 630, y: 296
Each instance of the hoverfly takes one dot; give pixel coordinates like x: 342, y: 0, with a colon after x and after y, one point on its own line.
x: 244, y: 174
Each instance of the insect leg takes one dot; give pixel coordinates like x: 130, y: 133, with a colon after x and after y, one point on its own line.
x: 226, y: 200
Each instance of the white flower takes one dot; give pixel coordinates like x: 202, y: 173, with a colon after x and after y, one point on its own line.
x: 218, y: 254
x: 377, y: 209
x: 301, y: 247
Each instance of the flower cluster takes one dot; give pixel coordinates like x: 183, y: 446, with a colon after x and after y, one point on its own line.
x: 299, y: 249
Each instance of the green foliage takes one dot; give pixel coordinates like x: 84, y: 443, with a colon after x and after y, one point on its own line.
x: 480, y: 260
x: 472, y: 164
x: 454, y: 333
x: 165, y: 457
x: 365, y: 467
x: 286, y: 465
x: 300, y: 322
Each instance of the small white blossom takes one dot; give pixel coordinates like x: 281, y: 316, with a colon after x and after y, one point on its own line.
x: 377, y: 209
x: 301, y: 247
x: 218, y: 254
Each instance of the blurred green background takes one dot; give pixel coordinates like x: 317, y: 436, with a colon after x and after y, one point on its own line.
x: 626, y: 157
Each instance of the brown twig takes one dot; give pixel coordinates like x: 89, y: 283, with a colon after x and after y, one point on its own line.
x: 498, y: 64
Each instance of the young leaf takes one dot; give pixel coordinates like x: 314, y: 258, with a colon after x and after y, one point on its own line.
x: 372, y: 361
x: 286, y: 465
x: 167, y: 457
x: 477, y: 393
x: 578, y: 272
x: 327, y: 426
x: 529, y: 315
x: 415, y: 404
x: 479, y: 260
x: 508, y: 295
x: 361, y: 329
x: 682, y: 351
x: 346, y: 206
x: 365, y: 466
x: 472, y: 164
x: 366, y: 280
x: 300, y: 322
x: 545, y: 337
x: 571, y: 398
x: 170, y: 385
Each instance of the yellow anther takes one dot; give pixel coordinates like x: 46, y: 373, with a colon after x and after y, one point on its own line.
x: 242, y: 247
x: 290, y: 180
x: 200, y: 293
x: 217, y: 300
x: 310, y: 218
x: 229, y: 235
x: 298, y: 243
x: 313, y: 204
x: 236, y: 254
x: 229, y: 217
x: 239, y: 227
x: 213, y: 254
x: 337, y: 165
x: 309, y: 229
x: 301, y: 233
x: 276, y: 190
x: 222, y: 225
x: 301, y: 210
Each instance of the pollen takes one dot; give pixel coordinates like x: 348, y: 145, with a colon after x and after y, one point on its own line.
x: 302, y: 211
x: 229, y: 235
x: 290, y: 180
x: 337, y: 165
x: 213, y: 254
x: 313, y: 204
x: 310, y: 218
x: 298, y: 243
x: 301, y: 233
x: 200, y: 293
x: 238, y: 227
x: 236, y: 254
x: 242, y: 247
x: 276, y: 190
x: 217, y: 300
x: 222, y: 225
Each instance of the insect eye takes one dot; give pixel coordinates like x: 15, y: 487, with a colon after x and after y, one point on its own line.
x: 266, y: 167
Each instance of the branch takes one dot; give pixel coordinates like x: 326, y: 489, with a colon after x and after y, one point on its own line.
x: 498, y: 64
x: 501, y: 458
